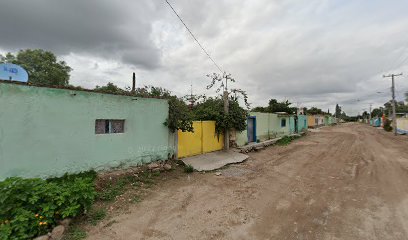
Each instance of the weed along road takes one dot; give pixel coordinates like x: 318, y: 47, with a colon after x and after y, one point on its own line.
x: 343, y: 182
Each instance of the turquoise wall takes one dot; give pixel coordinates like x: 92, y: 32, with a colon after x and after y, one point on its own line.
x: 292, y: 126
x: 268, y: 126
x: 276, y: 128
x: 302, y: 123
x: 241, y: 138
x: 262, y: 121
x: 47, y: 132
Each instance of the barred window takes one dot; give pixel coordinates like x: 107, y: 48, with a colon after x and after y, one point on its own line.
x: 107, y: 126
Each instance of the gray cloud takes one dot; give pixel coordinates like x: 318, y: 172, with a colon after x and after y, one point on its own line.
x: 103, y: 28
x: 314, y: 53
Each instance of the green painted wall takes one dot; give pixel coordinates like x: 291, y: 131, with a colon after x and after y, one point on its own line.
x: 262, y: 121
x: 292, y: 126
x: 326, y: 120
x: 302, y: 123
x: 268, y: 126
x: 276, y: 127
x: 241, y: 138
x: 47, y: 132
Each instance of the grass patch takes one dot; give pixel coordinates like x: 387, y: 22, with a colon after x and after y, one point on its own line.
x: 118, y: 187
x: 188, y: 168
x: 136, y: 199
x: 112, y: 190
x: 286, y: 140
x: 75, y: 233
x: 96, y: 215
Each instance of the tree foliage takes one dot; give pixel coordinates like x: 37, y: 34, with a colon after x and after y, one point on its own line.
x: 314, y: 111
x: 180, y: 117
x: 338, y: 111
x: 377, y: 112
x: 275, y: 106
x: 110, y: 88
x: 400, y: 107
x: 213, y: 109
x: 42, y: 66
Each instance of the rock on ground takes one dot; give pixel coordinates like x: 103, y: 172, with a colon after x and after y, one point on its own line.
x: 58, y: 232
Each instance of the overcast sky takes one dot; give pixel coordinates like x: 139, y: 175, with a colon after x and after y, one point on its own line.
x: 311, y: 52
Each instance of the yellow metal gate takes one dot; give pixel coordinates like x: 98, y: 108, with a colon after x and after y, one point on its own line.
x: 204, y: 139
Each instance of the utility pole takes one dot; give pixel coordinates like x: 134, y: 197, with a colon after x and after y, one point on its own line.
x: 225, y: 97
x: 394, y: 115
x: 369, y: 116
x: 226, y: 109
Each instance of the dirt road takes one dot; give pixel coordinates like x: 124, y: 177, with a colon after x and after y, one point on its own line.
x: 344, y: 182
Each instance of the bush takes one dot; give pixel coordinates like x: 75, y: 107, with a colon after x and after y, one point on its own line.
x: 286, y: 140
x: 31, y: 207
x: 213, y: 109
x: 387, y: 125
x: 188, y: 169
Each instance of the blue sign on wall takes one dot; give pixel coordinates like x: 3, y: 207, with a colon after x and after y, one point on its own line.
x: 13, y: 72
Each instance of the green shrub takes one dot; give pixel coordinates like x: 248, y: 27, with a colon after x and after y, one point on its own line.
x: 188, y: 169
x: 387, y: 125
x: 284, y: 141
x: 31, y: 207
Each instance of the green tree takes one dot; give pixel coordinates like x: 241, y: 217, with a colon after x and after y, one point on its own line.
x: 314, y: 110
x: 213, y: 109
x: 8, y: 58
x: 338, y: 110
x: 275, y: 106
x: 110, y: 88
x: 42, y: 66
x: 259, y: 109
x: 377, y: 112
x: 400, y: 107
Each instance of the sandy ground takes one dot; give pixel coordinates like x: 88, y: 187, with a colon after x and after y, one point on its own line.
x: 343, y: 182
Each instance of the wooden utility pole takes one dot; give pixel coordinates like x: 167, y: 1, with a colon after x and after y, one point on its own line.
x: 394, y: 114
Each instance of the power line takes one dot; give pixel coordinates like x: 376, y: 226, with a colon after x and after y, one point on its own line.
x: 397, y: 59
x: 191, y: 33
x: 403, y: 61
